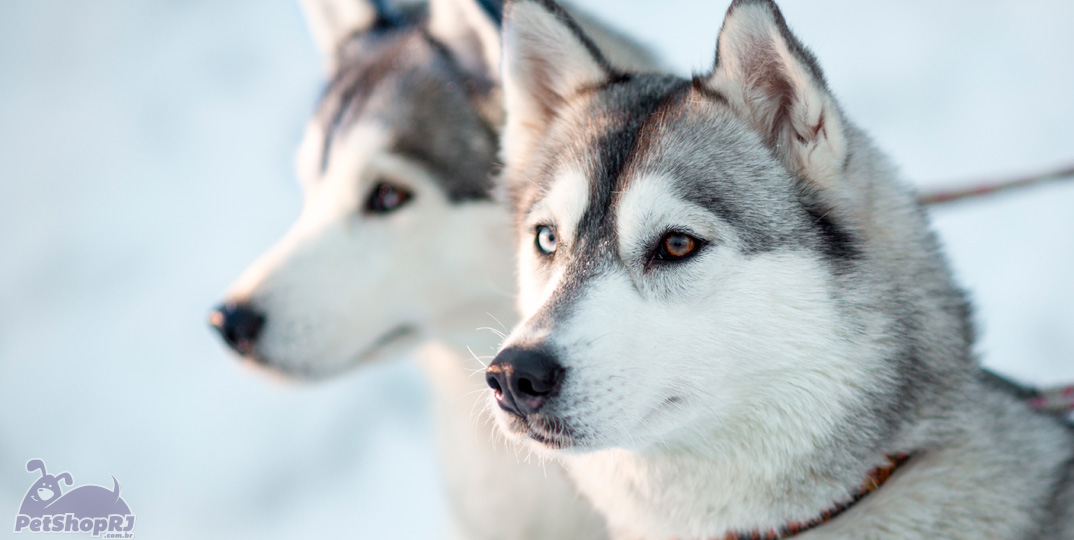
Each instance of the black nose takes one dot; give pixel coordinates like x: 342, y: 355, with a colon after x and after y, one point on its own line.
x: 523, y: 379
x: 238, y: 324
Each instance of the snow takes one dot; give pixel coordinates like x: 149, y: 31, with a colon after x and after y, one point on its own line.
x: 146, y: 148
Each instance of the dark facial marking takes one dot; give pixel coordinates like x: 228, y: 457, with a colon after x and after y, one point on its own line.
x: 350, y: 87
x: 617, y: 148
x: 450, y: 136
x: 643, y: 98
x: 436, y: 119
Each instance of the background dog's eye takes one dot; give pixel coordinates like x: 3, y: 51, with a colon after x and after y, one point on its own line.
x: 386, y: 198
x: 676, y: 246
x: 546, y: 239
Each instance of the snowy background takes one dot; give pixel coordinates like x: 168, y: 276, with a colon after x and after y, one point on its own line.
x: 145, y: 150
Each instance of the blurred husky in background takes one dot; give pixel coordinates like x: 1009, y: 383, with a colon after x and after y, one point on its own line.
x: 399, y: 244
x: 736, y: 321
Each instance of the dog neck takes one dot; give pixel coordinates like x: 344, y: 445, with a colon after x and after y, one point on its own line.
x: 874, y: 481
x: 688, y: 492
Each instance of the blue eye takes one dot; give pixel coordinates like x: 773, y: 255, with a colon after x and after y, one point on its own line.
x: 546, y: 240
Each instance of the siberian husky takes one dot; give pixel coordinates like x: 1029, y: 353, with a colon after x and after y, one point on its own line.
x: 399, y: 244
x: 736, y: 321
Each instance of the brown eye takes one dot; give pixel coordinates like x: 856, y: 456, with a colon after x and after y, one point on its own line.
x: 676, y: 246
x: 386, y: 198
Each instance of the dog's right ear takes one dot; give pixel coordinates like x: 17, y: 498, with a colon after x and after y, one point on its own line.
x: 547, y: 59
x: 333, y: 21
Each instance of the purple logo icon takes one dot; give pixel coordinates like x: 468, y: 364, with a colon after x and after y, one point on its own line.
x: 93, y: 509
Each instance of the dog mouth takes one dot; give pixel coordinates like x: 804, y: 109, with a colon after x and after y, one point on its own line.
x: 548, y: 431
x: 386, y: 340
x: 392, y: 337
x: 309, y: 371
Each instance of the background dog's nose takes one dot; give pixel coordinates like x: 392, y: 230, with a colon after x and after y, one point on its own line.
x: 238, y: 324
x: 523, y: 379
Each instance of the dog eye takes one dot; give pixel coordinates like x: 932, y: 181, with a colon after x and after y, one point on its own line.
x: 546, y: 240
x: 386, y: 198
x: 676, y: 246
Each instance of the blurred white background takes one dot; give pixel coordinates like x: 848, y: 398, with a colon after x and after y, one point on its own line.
x: 146, y: 155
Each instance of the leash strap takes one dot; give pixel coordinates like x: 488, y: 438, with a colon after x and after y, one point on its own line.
x: 876, y: 478
x: 1055, y: 400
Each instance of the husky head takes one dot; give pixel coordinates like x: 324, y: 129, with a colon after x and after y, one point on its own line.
x: 397, y: 234
x: 724, y: 256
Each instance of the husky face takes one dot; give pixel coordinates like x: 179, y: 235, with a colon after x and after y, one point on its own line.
x: 700, y: 254
x: 667, y: 296
x: 397, y: 234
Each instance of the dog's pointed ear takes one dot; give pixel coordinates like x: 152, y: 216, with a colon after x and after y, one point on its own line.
x: 774, y: 83
x: 333, y: 21
x: 547, y: 59
x: 471, y: 30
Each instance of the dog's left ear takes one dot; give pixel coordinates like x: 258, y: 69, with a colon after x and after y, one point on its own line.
x: 774, y: 83
x: 471, y: 30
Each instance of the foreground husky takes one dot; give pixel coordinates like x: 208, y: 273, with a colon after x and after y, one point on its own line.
x: 737, y: 323
x: 399, y: 244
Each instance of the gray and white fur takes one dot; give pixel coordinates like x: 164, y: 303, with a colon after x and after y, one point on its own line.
x: 733, y: 309
x: 400, y: 246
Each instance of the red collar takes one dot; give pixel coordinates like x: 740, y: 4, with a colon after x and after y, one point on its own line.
x: 876, y: 478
